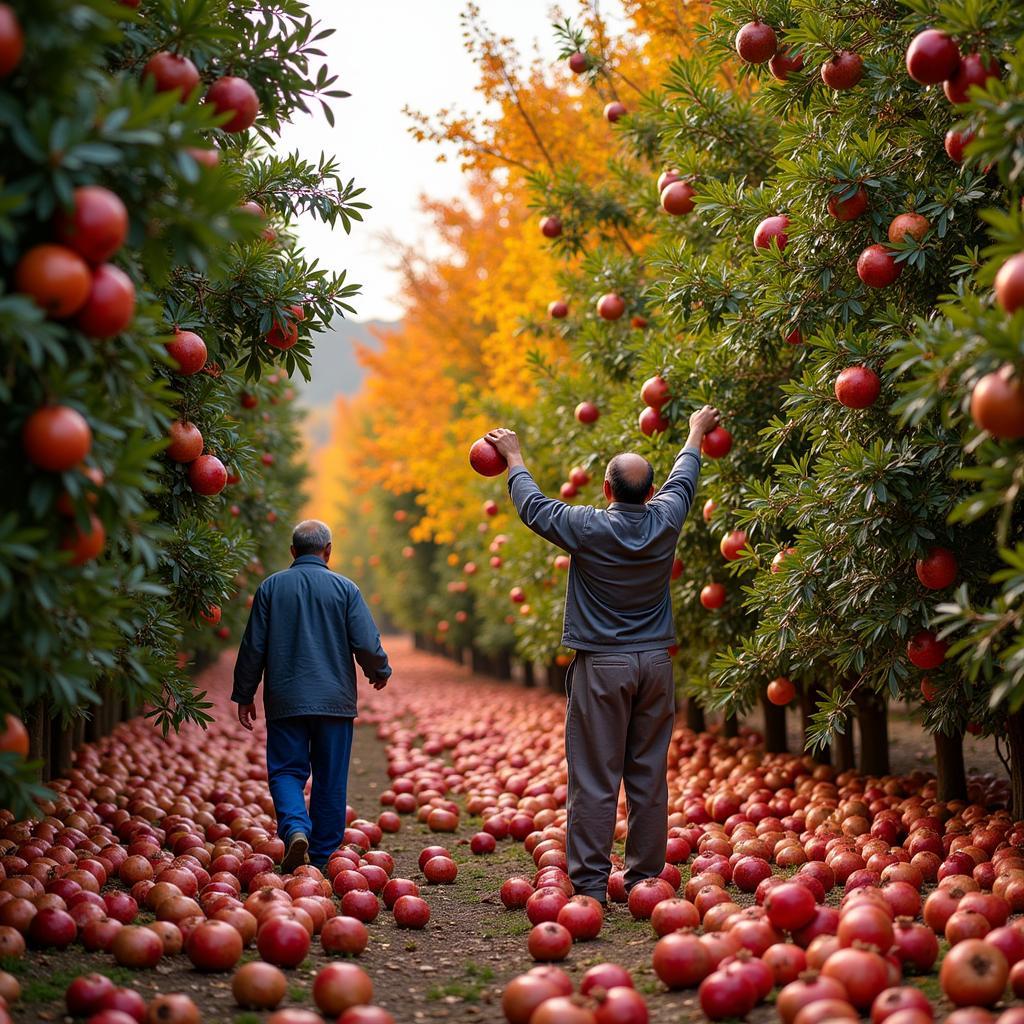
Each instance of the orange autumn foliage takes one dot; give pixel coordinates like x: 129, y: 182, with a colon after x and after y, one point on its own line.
x: 475, y: 321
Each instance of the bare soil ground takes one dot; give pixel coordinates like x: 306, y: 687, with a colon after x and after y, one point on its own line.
x: 454, y: 969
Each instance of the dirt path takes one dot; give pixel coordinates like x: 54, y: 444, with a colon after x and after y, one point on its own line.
x: 454, y: 969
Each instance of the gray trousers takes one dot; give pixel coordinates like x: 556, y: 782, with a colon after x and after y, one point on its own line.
x: 618, y: 724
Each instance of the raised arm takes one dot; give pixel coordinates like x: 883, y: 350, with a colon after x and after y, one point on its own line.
x: 555, y: 521
x: 677, y: 493
x: 364, y: 638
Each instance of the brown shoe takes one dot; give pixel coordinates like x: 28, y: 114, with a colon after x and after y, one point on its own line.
x: 295, y: 856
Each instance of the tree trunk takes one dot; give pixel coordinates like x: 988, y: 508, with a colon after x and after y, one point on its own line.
x: 503, y: 665
x: 1015, y: 736
x: 478, y: 661
x: 949, y: 763
x: 556, y: 677
x: 60, y: 741
x: 730, y: 727
x: 529, y: 676
x: 873, y: 726
x: 37, y: 723
x: 695, y: 716
x: 418, y: 641
x: 808, y: 699
x: 841, y: 749
x: 774, y: 727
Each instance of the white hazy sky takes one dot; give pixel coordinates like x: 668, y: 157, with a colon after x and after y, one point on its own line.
x: 388, y: 54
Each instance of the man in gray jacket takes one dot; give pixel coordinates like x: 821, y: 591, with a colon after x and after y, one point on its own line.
x: 306, y: 626
x: 618, y: 619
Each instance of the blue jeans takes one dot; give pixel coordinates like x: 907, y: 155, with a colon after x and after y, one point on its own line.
x: 296, y: 745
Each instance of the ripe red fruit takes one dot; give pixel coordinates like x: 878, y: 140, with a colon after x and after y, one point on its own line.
x: 781, y: 691
x: 12, y: 40
x: 587, y: 412
x: 877, y: 266
x: 550, y: 226
x: 214, y: 946
x: 843, y: 71
x: 341, y: 934
x: 85, y: 545
x: 234, y: 96
x: 186, y: 442
x: 97, y: 224
x: 1009, y: 286
x: 340, y: 986
x: 974, y: 973
x: 926, y: 650
x: 955, y: 143
x: 681, y: 960
x: 932, y: 57
x: 558, y: 309
x: 652, y: 422
x: 772, y: 229
x: 207, y: 475
x: 732, y: 544
x: 937, y: 570
x: 997, y: 404
x: 188, y: 350
x: 756, y: 42
x: 440, y: 870
x: 259, y: 986
x: 282, y: 941
x: 171, y: 71
x: 725, y: 994
x: 411, y: 912
x: 790, y: 905
x: 284, y: 334
x: 614, y: 110
x: 712, y: 596
x: 973, y: 70
x: 56, y: 438
x: 784, y: 62
x: 850, y: 208
x: 55, y: 277
x: 912, y: 224
x: 717, y: 443
x: 85, y: 993
x: 137, y: 946
x: 857, y: 387
x: 582, y: 917
x: 578, y: 63
x: 610, y: 306
x: 646, y: 895
x: 486, y: 459
x: 654, y: 392
x: 621, y: 1005
x: 666, y: 178
x: 677, y: 198
x: 111, y: 303
x: 549, y: 942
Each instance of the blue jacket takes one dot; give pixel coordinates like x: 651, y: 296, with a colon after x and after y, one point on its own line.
x: 306, y: 625
x: 617, y: 597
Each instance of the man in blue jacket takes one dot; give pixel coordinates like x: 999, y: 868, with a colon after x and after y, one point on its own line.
x: 306, y: 625
x: 618, y: 619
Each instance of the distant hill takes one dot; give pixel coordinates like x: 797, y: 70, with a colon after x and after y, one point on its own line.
x: 336, y: 371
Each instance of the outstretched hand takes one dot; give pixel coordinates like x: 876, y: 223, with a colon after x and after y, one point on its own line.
x: 704, y: 420
x: 505, y: 441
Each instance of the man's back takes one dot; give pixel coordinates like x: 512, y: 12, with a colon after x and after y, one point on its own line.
x: 307, y: 624
x: 618, y: 590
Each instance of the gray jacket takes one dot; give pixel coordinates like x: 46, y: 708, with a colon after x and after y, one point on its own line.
x: 306, y: 625
x: 618, y: 591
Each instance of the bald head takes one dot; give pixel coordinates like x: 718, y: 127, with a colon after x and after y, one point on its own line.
x: 629, y: 478
x: 311, y: 537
